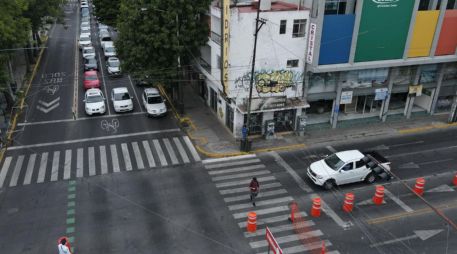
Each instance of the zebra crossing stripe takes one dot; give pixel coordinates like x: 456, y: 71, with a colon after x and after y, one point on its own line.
x: 5, y: 167
x: 262, y: 194
x: 137, y: 153
x: 262, y: 211
x: 91, y: 158
x: 243, y: 189
x: 29, y: 172
x: 181, y: 150
x: 245, y: 182
x: 191, y: 148
x: 115, y: 158
x: 163, y: 160
x: 171, y: 152
x: 232, y: 163
x: 272, y: 201
x: 79, y: 162
x: 241, y: 175
x: 55, y: 166
x: 287, y: 238
x: 269, y: 220
x: 240, y: 157
x: 17, y: 171
x: 126, y: 155
x: 67, y: 165
x: 147, y: 150
x: 233, y: 170
x: 300, y: 248
x: 280, y: 228
x: 103, y: 161
x: 42, y: 170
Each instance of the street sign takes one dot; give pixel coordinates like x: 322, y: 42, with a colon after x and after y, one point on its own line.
x: 346, y: 97
x: 380, y: 94
x: 272, y: 243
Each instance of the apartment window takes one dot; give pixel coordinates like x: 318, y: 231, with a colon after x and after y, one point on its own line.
x: 282, y: 27
x: 423, y: 5
x: 335, y: 7
x: 299, y: 28
x: 292, y: 63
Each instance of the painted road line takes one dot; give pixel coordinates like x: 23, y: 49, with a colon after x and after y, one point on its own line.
x: 42, y: 170
x: 103, y: 161
x: 147, y: 150
x: 5, y: 167
x: 67, y: 165
x: 191, y: 148
x: 407, y: 144
x: 115, y: 158
x: 280, y: 228
x: 103, y: 80
x: 29, y: 172
x: 162, y: 159
x: 398, y: 201
x: 17, y: 171
x: 276, y: 209
x: 91, y: 160
x: 137, y: 154
x: 306, y: 248
x: 421, y: 151
x: 240, y: 157
x: 243, y: 189
x: 331, y: 149
x: 291, y: 172
x: 233, y: 170
x: 287, y: 238
x: 263, y: 194
x: 170, y: 151
x: 245, y: 182
x: 233, y: 163
x: 91, y: 139
x: 270, y: 220
x: 79, y: 162
x: 241, y: 175
x: 332, y: 214
x: 182, y: 151
x: 80, y: 119
x: 136, y: 95
x: 55, y: 166
x: 126, y: 156
x: 273, y: 201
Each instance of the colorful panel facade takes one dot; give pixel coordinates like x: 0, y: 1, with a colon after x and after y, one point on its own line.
x: 424, y: 31
x: 383, y: 30
x: 336, y: 39
x: 447, y: 43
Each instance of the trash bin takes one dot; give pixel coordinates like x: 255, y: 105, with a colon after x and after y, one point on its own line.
x: 245, y: 145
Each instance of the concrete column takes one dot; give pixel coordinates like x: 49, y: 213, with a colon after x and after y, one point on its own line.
x: 393, y: 72
x: 349, y: 6
x: 453, y: 115
x: 411, y: 29
x: 355, y: 33
x: 336, y: 102
x: 439, y: 82
x: 438, y: 28
x: 433, y: 4
x: 411, y: 98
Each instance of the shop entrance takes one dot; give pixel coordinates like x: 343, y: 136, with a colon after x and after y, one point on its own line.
x: 284, y: 120
x: 255, y: 123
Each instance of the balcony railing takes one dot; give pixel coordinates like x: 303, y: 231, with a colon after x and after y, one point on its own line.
x: 216, y: 38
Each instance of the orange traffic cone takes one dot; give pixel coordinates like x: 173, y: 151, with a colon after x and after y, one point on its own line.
x: 316, y: 208
x: 348, y: 202
x: 419, y: 187
x: 378, y: 197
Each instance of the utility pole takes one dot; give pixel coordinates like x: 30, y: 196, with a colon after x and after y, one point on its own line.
x: 180, y: 92
x: 251, y: 83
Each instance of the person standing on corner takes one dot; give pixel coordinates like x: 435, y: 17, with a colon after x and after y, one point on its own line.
x: 254, y: 186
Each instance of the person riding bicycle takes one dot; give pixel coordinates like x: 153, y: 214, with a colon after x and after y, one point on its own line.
x: 254, y: 186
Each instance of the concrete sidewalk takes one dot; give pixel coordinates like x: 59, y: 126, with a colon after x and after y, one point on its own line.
x: 213, y: 139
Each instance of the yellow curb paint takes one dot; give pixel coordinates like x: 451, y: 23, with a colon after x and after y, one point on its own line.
x: 426, y: 128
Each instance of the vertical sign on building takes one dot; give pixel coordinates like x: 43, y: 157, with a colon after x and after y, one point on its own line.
x: 225, y: 44
x: 311, y: 38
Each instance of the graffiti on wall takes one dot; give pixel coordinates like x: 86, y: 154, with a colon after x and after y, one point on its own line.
x: 270, y: 81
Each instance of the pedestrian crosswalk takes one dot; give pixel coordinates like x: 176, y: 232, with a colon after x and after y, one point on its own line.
x: 71, y: 163
x: 232, y: 177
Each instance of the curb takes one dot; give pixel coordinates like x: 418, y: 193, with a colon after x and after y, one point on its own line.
x: 427, y: 128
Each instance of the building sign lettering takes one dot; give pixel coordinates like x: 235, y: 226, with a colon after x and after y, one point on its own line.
x: 225, y: 44
x: 311, y: 38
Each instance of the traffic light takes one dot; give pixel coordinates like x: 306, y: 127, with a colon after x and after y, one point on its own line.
x: 376, y: 167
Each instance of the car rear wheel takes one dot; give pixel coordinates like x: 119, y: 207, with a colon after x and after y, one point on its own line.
x: 371, y: 178
x: 329, y: 184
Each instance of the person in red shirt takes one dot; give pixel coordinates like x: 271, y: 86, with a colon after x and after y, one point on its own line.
x: 254, y: 186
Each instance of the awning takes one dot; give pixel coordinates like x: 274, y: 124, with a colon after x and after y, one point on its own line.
x: 273, y: 104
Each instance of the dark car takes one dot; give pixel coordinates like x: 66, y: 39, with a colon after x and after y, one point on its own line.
x: 141, y: 80
x: 90, y: 64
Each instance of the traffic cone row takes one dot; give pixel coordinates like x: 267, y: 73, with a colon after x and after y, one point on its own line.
x: 419, y: 187
x: 348, y: 204
x: 378, y: 197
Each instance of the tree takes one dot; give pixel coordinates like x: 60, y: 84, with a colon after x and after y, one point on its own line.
x: 148, y: 42
x: 107, y: 11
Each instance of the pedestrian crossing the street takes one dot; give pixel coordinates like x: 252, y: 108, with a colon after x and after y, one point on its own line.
x: 232, y: 177
x: 50, y: 166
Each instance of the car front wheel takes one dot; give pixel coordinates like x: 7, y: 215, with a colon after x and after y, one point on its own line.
x: 371, y: 178
x: 329, y: 184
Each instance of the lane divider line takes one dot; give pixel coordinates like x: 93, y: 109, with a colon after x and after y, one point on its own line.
x: 71, y: 219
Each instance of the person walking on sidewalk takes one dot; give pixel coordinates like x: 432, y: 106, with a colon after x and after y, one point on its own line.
x: 63, y: 249
x: 254, y: 186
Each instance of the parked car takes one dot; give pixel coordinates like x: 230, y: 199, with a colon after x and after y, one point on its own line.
x: 113, y: 66
x: 88, y: 52
x: 91, y: 80
x: 109, y: 50
x: 85, y: 32
x: 105, y: 38
x: 84, y: 41
x: 153, y: 102
x: 94, y: 102
x: 85, y: 12
x: 90, y: 63
x: 141, y: 80
x: 122, y: 101
x: 85, y: 25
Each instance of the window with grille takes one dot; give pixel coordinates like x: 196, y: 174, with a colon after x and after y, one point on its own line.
x: 299, y: 28
x: 292, y: 63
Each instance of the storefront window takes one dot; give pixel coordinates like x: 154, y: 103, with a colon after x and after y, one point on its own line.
x: 450, y: 72
x: 255, y: 123
x: 428, y: 73
x: 366, y: 78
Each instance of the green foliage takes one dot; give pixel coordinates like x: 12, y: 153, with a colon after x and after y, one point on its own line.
x: 13, y: 26
x: 148, y: 43
x: 39, y: 9
x: 107, y: 11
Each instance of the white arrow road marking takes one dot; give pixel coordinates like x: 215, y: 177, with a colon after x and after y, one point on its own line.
x: 47, y: 107
x: 47, y: 110
x: 421, y: 234
x: 441, y: 188
x: 49, y: 103
x: 409, y: 165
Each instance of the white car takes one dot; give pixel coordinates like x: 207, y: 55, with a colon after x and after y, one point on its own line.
x: 105, y: 38
x: 94, y: 102
x: 84, y: 5
x: 113, y: 66
x: 85, y: 32
x: 84, y: 41
x: 85, y: 25
x: 153, y: 102
x: 109, y: 51
x: 88, y: 52
x: 122, y: 101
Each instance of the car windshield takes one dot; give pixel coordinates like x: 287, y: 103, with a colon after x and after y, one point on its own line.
x: 121, y: 96
x: 154, y: 99
x: 334, y: 162
x: 91, y: 77
x: 106, y: 39
x: 85, y: 31
x: 94, y: 98
x: 91, y: 61
x: 91, y: 50
x: 85, y: 39
x: 110, y: 49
